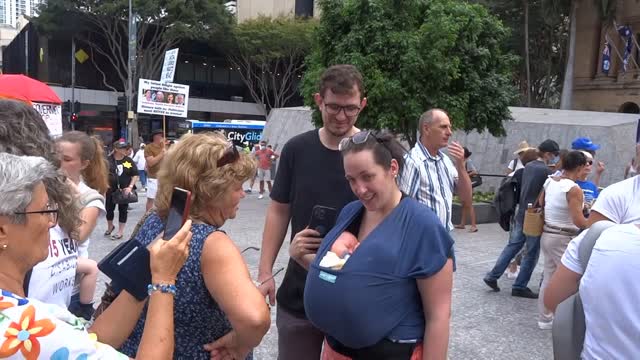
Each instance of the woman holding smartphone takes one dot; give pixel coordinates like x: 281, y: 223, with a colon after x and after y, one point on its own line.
x: 391, y: 298
x: 218, y: 304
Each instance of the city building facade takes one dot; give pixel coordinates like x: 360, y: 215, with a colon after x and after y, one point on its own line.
x: 606, y: 67
x: 11, y: 10
x: 249, y: 9
x: 216, y: 91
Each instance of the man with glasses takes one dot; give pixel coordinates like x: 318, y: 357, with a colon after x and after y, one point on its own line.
x: 429, y: 175
x: 534, y: 175
x: 310, y: 173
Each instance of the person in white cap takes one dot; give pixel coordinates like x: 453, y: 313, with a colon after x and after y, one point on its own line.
x: 516, y: 163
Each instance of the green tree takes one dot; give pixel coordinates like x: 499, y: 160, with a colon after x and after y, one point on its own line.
x: 270, y: 52
x: 415, y: 55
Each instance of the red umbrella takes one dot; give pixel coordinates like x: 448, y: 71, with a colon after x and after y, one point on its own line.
x: 24, y: 88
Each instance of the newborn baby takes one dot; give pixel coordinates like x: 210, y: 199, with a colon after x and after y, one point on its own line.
x: 345, y: 244
x: 340, y: 251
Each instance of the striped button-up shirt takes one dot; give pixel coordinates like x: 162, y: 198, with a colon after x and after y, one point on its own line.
x: 431, y: 180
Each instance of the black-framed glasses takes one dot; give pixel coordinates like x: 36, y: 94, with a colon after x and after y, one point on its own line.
x: 229, y: 156
x: 357, y: 139
x: 51, y: 211
x: 589, y: 162
x: 349, y: 110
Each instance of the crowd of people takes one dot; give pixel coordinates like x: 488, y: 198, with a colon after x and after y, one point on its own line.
x: 376, y: 285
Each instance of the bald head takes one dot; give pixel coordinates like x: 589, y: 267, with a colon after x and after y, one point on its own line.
x: 429, y: 116
x: 434, y: 128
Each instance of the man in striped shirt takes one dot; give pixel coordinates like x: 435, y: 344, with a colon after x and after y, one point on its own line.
x: 429, y: 175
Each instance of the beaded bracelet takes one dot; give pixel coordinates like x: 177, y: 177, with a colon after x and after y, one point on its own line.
x: 164, y: 288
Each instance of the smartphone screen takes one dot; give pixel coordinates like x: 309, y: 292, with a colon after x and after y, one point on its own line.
x: 323, y: 218
x: 178, y: 212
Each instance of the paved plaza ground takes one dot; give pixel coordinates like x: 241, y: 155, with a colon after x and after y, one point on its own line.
x: 485, y: 325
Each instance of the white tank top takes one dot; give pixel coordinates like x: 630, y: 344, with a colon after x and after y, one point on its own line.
x: 556, y: 206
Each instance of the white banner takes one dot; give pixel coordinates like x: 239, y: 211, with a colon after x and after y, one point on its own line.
x: 157, y: 98
x: 169, y: 66
x: 52, y: 116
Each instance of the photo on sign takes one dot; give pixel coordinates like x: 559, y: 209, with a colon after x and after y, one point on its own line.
x: 164, y: 97
x: 167, y: 99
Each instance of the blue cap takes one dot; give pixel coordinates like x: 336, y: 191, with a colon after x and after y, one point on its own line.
x: 584, y: 143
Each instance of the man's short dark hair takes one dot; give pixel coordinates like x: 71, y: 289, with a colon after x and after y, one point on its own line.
x: 341, y: 79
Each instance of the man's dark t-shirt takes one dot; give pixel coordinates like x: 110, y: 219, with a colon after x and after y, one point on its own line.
x: 534, y: 174
x: 309, y: 174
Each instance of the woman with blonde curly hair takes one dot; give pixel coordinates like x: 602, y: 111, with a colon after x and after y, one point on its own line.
x: 218, y: 302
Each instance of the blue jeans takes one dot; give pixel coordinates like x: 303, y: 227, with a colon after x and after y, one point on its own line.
x: 516, y: 241
x: 143, y: 177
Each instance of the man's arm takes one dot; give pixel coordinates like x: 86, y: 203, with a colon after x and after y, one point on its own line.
x: 463, y: 187
x: 153, y: 160
x: 275, y: 229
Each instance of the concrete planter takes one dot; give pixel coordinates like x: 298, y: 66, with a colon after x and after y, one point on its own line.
x: 485, y: 213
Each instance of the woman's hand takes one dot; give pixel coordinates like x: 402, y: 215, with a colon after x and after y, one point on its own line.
x: 306, y: 242
x: 167, y: 257
x: 227, y: 348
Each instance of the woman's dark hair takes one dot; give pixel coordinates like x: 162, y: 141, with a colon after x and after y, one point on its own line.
x: 573, y: 160
x: 384, y: 147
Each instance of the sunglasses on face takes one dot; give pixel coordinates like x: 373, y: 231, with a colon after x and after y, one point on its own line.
x: 589, y: 162
x: 229, y: 156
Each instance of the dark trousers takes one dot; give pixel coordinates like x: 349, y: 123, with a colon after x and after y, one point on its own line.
x: 297, y: 338
x: 111, y: 206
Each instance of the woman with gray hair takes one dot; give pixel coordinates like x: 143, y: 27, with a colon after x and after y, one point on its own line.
x: 23, y: 132
x: 32, y: 329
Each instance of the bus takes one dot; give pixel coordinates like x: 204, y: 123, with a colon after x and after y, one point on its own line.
x: 240, y: 132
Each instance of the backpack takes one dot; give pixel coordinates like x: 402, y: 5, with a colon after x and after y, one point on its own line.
x: 569, y: 326
x: 505, y: 202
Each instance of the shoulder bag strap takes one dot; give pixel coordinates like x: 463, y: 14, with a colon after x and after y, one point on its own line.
x: 589, y: 240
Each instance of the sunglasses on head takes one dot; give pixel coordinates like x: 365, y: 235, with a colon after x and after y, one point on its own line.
x: 229, y: 156
x: 357, y: 139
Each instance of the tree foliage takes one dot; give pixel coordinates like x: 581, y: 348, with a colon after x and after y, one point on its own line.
x: 270, y: 54
x: 102, y: 25
x: 415, y: 55
x: 548, y: 46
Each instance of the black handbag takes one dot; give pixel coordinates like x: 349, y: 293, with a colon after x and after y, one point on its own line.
x: 476, y: 180
x: 119, y: 197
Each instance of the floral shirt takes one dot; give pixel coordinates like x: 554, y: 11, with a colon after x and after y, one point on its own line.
x: 31, y: 330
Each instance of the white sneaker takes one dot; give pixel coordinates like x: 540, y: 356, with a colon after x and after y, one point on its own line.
x: 545, y: 325
x: 260, y: 196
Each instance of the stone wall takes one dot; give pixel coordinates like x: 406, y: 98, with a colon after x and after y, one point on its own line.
x: 614, y: 132
x: 616, y: 138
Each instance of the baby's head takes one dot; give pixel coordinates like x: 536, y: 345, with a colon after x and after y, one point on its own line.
x: 345, y: 244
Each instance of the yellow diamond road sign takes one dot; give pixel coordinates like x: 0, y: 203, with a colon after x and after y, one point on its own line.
x: 81, y: 56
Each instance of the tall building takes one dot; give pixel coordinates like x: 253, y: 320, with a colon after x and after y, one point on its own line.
x: 607, y: 59
x: 249, y: 9
x: 10, y: 10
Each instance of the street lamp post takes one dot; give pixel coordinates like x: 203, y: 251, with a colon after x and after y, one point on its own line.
x: 131, y: 68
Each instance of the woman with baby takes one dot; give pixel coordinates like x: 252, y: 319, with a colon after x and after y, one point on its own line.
x: 380, y: 284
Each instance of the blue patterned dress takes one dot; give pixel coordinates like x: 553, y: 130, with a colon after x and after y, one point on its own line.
x: 198, y: 318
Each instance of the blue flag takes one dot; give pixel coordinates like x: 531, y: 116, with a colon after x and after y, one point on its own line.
x: 606, y: 57
x: 626, y: 34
